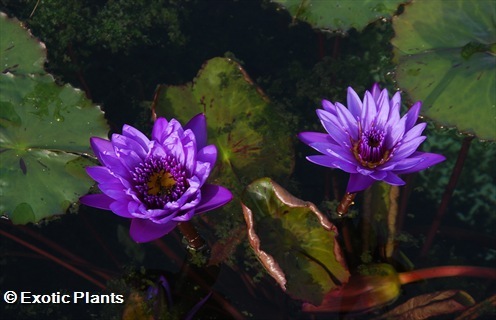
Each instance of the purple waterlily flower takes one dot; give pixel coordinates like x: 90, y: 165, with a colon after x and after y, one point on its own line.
x: 158, y: 183
x: 369, y: 140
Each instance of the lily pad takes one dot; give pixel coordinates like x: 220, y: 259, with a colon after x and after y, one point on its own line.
x: 44, y: 133
x: 294, y: 241
x: 251, y: 136
x: 446, y: 55
x: 339, y: 14
x: 20, y: 52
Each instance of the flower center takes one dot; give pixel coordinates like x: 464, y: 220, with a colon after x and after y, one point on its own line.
x: 370, y: 150
x: 159, y: 181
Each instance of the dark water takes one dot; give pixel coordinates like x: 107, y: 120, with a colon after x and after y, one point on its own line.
x: 296, y: 67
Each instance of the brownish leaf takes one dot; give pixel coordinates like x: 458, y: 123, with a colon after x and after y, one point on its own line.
x: 430, y: 305
x: 484, y: 308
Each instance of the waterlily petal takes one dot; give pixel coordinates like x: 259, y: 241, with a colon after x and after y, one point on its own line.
x: 136, y: 135
x: 349, y: 124
x: 375, y: 91
x: 116, y: 167
x: 189, y: 148
x: 378, y: 175
x: 312, y: 137
x: 185, y: 216
x: 393, y: 179
x: 383, y: 109
x: 414, y: 132
x: 426, y: 160
x: 198, y: 124
x: 113, y: 190
x: 101, y: 148
x: 129, y: 158
x: 122, y: 142
x: 354, y: 103
x: 369, y: 111
x: 329, y: 106
x: 100, y: 201
x: 208, y: 154
x: 412, y: 115
x: 394, y: 133
x: 409, y: 147
x: 331, y: 162
x: 159, y: 129
x: 358, y: 182
x: 100, y: 174
x: 121, y: 208
x: 334, y: 151
x: 212, y: 197
x: 395, y: 104
x: 338, y: 135
x: 143, y: 230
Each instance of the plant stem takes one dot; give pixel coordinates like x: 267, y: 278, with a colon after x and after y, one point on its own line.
x: 394, y: 193
x: 195, y: 241
x: 345, y: 204
x: 446, y: 271
x: 448, y: 192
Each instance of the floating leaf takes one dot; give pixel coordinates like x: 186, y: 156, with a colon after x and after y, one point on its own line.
x: 430, y: 305
x: 20, y: 52
x: 249, y: 134
x: 376, y: 285
x: 44, y: 130
x: 338, y: 14
x: 446, y: 56
x: 294, y: 241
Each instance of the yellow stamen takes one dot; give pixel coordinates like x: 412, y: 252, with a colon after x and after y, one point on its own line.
x: 160, y: 183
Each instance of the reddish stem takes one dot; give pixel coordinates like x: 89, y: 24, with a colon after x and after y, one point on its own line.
x: 168, y: 251
x: 345, y: 203
x: 98, y: 239
x: 76, y: 260
x: 446, y: 271
x: 320, y: 37
x: 448, y: 192
x: 53, y: 258
x: 405, y: 195
x: 195, y: 241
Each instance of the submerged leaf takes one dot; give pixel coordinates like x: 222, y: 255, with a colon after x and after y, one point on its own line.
x: 294, y: 241
x: 446, y: 58
x: 481, y: 309
x: 431, y: 304
x: 376, y: 286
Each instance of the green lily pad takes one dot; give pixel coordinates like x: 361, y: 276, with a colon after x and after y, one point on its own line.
x: 294, y: 241
x: 251, y: 137
x: 338, y: 14
x: 44, y: 134
x: 20, y: 52
x: 446, y: 54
